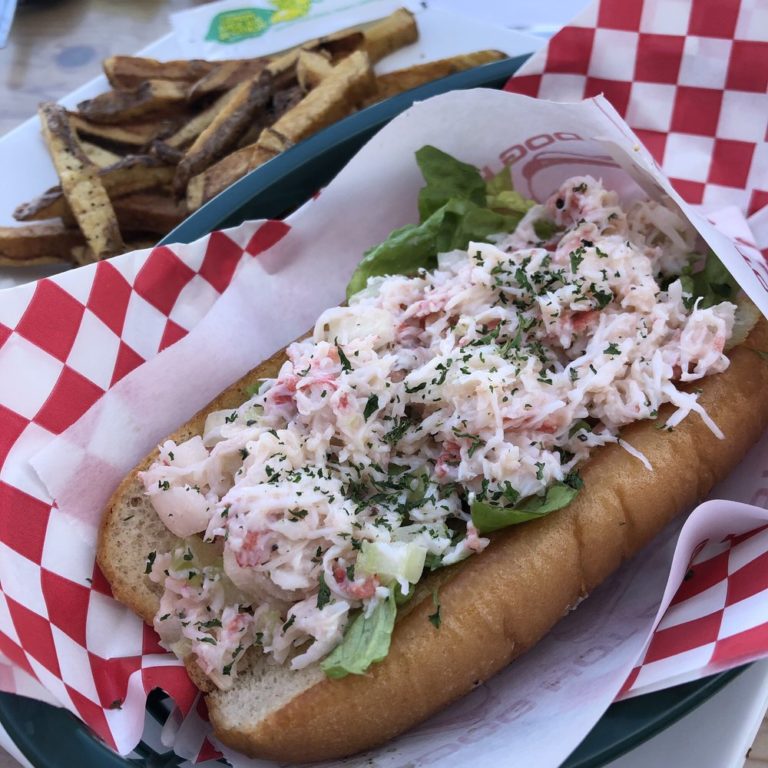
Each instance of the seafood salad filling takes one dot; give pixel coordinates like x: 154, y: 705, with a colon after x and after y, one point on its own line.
x: 431, y: 410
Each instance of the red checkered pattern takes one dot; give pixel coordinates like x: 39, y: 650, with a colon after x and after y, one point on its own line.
x: 690, y: 80
x: 689, y: 77
x: 191, y: 733
x: 68, y: 339
x: 711, y: 624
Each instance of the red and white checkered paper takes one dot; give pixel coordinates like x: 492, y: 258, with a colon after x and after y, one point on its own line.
x: 64, y: 341
x: 690, y: 77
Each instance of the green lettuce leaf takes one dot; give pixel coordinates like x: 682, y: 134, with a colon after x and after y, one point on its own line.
x: 446, y: 179
x: 714, y: 283
x: 414, y: 246
x: 456, y: 206
x: 492, y: 517
x: 501, y: 196
x: 365, y: 642
x: 498, y: 184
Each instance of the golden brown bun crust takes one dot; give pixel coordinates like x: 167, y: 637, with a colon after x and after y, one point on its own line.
x: 551, y: 563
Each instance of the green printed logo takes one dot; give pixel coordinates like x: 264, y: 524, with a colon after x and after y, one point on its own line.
x: 240, y: 24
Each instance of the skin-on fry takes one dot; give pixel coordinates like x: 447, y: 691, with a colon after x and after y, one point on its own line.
x: 335, y: 97
x: 133, y: 134
x: 150, y: 97
x: 98, y: 155
x: 201, y: 125
x: 226, y: 128
x: 338, y: 46
x: 194, y: 127
x: 129, y: 72
x: 155, y: 212
x: 81, y: 183
x: 40, y: 261
x: 48, y: 240
x: 389, y: 34
x: 51, y: 204
x: 282, y: 101
x: 132, y: 174
x: 227, y: 76
x: 404, y: 79
x: 165, y: 153
x: 228, y: 170
x: 82, y: 254
x: 311, y: 68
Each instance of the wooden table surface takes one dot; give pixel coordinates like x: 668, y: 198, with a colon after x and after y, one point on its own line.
x: 57, y: 45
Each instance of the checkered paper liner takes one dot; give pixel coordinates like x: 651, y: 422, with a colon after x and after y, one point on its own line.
x: 67, y: 340
x: 64, y: 341
x: 720, y: 600
x: 690, y: 77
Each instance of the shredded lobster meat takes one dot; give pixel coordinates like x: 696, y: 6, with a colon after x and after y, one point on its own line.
x: 486, y: 379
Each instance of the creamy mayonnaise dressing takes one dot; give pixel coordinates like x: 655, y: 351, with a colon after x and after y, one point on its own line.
x: 487, y: 379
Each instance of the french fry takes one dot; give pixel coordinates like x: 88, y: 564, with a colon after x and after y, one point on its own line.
x: 82, y: 254
x: 282, y: 101
x: 207, y: 185
x: 98, y: 155
x: 133, y: 134
x: 225, y: 129
x: 311, y: 68
x: 137, y: 243
x: 252, y: 133
x: 40, y: 261
x: 134, y: 173
x: 45, y: 242
x: 150, y: 97
x: 188, y: 132
x: 165, y: 153
x: 129, y: 72
x: 338, y: 46
x: 51, y: 204
x: 194, y: 127
x: 155, y: 212
x: 389, y: 34
x: 404, y: 79
x: 80, y: 183
x: 335, y: 97
x: 227, y: 76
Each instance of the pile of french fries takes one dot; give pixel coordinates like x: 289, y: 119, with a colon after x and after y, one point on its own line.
x: 135, y: 161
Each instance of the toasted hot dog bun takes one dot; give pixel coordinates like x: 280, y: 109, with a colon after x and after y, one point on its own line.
x: 552, y: 563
